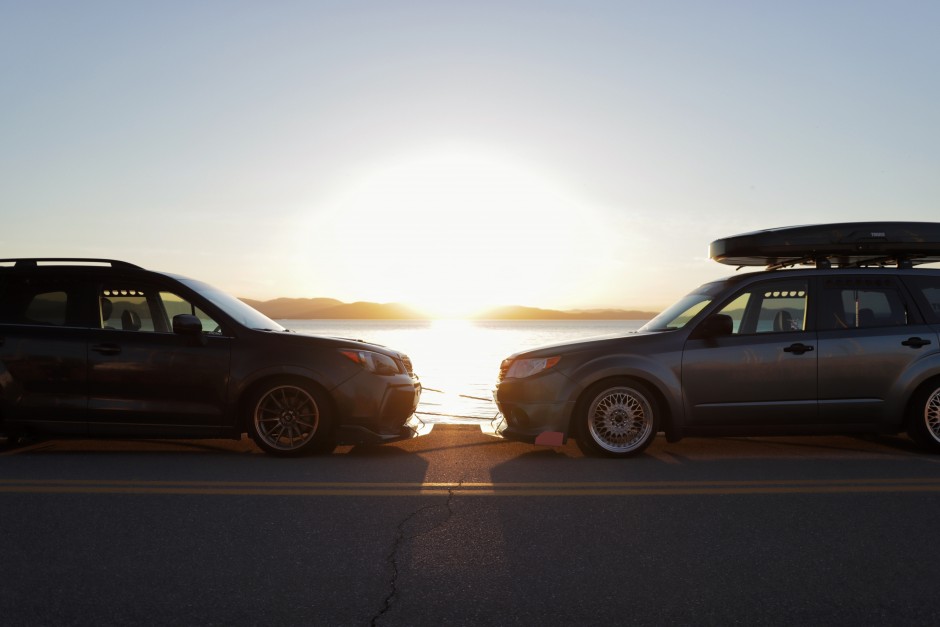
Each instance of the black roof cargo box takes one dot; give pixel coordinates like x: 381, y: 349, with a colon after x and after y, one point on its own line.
x: 849, y: 244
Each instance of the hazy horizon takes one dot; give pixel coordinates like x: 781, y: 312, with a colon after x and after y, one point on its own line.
x: 316, y: 308
x: 457, y: 156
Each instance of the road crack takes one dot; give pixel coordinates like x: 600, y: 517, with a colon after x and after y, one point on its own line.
x: 403, y: 536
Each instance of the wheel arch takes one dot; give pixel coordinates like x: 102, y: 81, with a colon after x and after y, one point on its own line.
x: 921, y: 428
x: 659, y: 379
x: 662, y: 405
x: 249, y: 391
x: 912, y: 402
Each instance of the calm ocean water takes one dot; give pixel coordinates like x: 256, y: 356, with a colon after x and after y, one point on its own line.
x: 458, y: 360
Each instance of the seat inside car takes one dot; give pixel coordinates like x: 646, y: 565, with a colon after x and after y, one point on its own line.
x: 130, y: 321
x: 107, y: 307
x: 783, y: 321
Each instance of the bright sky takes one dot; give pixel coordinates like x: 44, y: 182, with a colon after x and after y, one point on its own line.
x: 458, y: 155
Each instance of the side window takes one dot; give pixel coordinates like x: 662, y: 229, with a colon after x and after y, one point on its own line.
x: 926, y: 290
x: 770, y: 307
x: 38, y: 302
x: 175, y: 305
x: 47, y: 308
x: 932, y: 294
x: 852, y: 303
x: 128, y: 309
x: 735, y: 310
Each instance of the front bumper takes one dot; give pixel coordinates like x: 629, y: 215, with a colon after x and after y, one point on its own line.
x: 358, y: 434
x: 375, y: 409
x: 528, y: 411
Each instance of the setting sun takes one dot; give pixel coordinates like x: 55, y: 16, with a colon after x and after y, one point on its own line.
x: 464, y: 231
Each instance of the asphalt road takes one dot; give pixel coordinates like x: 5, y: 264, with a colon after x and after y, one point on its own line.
x: 458, y: 528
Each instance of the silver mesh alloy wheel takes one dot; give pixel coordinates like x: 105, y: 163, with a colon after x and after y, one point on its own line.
x: 620, y: 419
x: 932, y: 414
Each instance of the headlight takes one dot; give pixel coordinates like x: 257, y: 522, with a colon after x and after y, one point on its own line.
x: 522, y: 368
x: 373, y: 362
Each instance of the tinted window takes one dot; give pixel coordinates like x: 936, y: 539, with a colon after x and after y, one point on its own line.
x: 48, y: 308
x: 927, y: 291
x: 853, y: 303
x: 26, y: 301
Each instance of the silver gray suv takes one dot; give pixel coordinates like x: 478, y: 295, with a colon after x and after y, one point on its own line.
x: 849, y: 345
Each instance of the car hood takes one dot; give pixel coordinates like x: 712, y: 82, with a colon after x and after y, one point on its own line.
x: 338, y: 342
x: 635, y: 338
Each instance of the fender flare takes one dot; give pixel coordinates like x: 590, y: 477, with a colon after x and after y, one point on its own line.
x: 663, y: 380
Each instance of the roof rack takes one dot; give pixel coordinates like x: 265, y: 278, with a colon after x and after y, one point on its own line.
x: 78, y: 261
x: 845, y: 245
x: 827, y: 262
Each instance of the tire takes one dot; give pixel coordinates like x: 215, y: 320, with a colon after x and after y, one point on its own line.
x: 924, y: 420
x: 289, y: 419
x: 616, y: 418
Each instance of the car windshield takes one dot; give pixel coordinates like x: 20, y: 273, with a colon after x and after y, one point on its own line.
x: 235, y: 308
x: 679, y: 314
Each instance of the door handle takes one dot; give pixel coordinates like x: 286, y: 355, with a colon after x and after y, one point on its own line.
x: 106, y: 349
x: 915, y: 342
x: 797, y: 349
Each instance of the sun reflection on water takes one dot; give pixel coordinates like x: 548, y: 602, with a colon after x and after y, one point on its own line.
x: 458, y: 360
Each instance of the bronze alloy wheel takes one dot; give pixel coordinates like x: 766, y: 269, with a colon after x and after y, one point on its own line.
x: 285, y: 419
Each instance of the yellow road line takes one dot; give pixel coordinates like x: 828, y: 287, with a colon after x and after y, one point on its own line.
x: 567, y: 489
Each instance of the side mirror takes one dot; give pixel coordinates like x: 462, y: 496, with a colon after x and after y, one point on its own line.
x: 187, y: 324
x: 715, y: 325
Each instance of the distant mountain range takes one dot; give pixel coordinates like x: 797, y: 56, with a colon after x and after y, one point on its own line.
x: 332, y: 309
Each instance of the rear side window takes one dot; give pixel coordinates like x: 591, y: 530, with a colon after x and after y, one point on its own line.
x: 37, y: 303
x: 926, y: 290
x: 858, y: 303
x: 48, y: 308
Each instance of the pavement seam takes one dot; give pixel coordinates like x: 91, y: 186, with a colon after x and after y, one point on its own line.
x: 400, y: 540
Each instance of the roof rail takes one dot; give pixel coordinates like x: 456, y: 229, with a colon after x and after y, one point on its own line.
x: 79, y: 261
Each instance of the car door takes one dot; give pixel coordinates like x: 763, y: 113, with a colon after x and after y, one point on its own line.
x: 43, y: 353
x: 869, y: 334
x: 762, y: 373
x: 143, y: 378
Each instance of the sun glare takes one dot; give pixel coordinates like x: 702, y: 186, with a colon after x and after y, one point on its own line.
x: 454, y: 233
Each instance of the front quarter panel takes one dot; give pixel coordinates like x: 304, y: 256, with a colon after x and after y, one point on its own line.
x: 659, y: 369
x: 379, y: 403
x: 546, y: 402
x: 262, y: 355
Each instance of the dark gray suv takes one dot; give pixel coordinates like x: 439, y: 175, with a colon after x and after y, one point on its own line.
x: 850, y: 345
x: 104, y: 348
